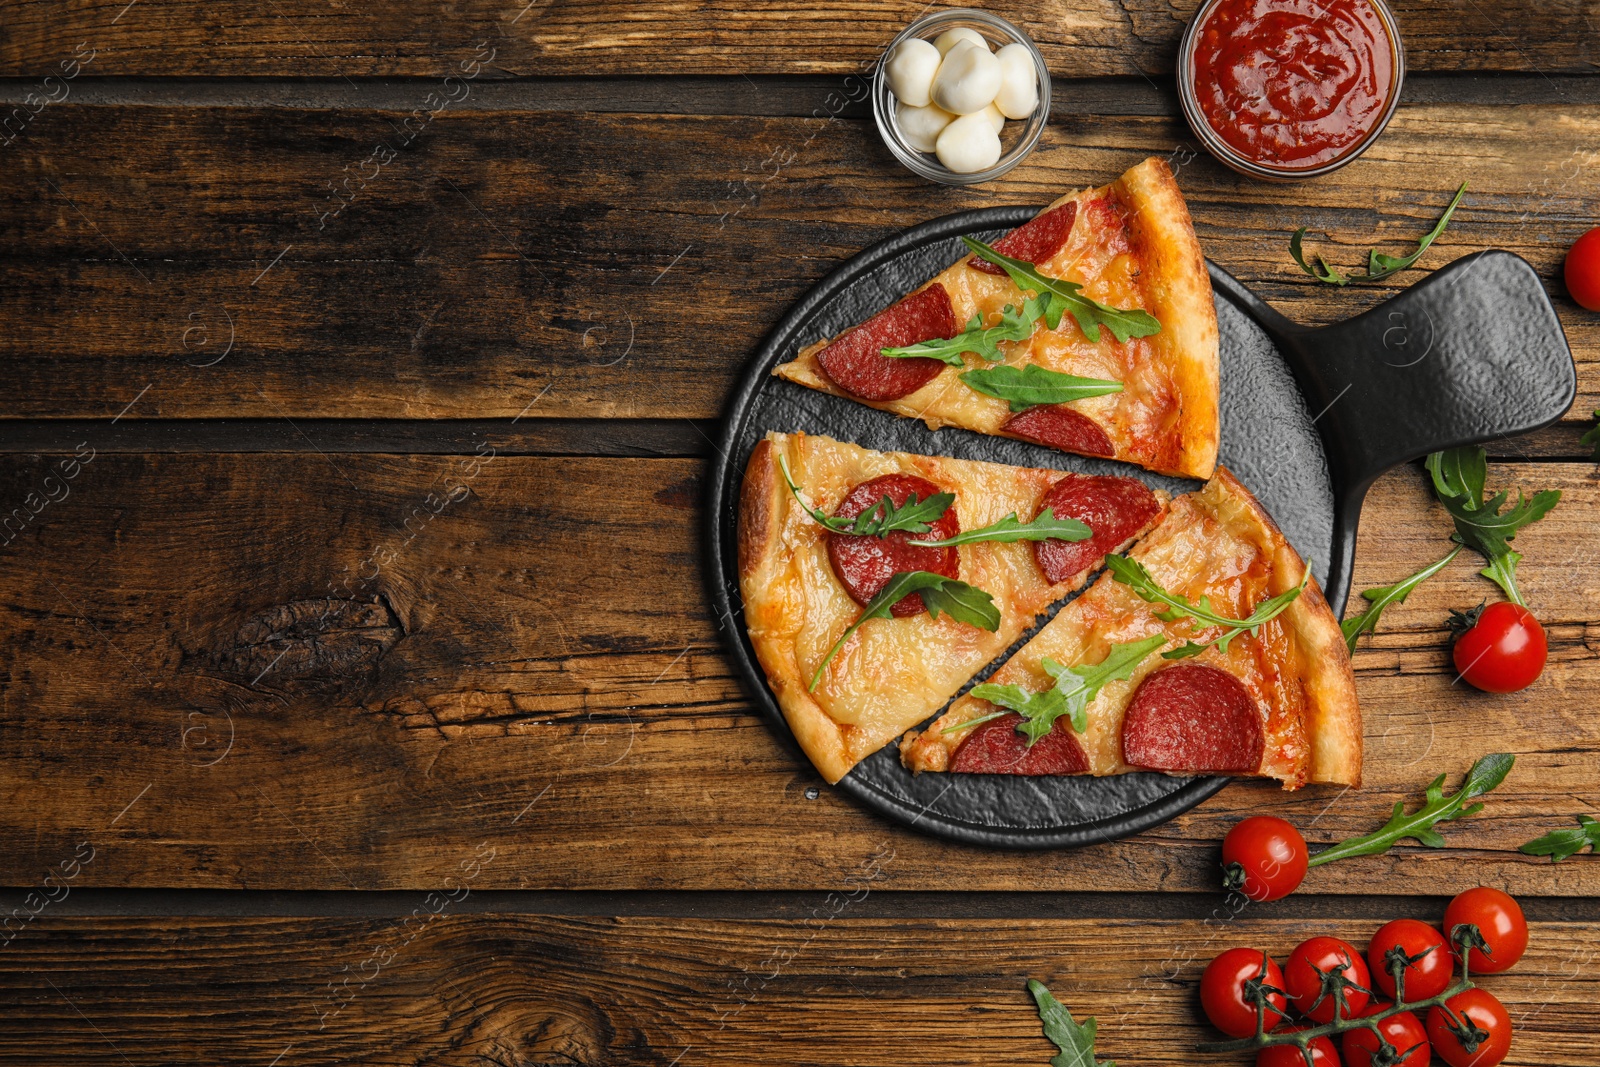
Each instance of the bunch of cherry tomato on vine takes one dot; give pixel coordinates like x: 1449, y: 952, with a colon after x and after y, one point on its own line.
x: 1469, y: 1029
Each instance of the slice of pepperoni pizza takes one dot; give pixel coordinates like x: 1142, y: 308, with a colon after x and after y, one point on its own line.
x: 1156, y: 681
x: 1142, y: 332
x: 828, y: 529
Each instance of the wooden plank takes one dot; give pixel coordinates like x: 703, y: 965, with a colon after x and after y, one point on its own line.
x: 540, y: 671
x: 828, y: 988
x: 611, y: 278
x: 1079, y: 40
x: 547, y: 437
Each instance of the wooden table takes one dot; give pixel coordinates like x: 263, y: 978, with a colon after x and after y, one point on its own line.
x: 430, y: 310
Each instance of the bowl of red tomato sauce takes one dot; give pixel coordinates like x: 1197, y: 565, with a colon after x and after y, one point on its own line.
x: 1285, y: 90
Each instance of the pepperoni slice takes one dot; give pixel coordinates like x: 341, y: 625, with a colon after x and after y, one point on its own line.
x: 856, y: 363
x: 997, y: 748
x: 865, y: 564
x: 1193, y: 719
x: 1109, y: 219
x: 1035, y: 240
x: 1060, y: 427
x: 1113, y: 508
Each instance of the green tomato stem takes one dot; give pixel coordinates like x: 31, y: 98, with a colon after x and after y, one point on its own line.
x: 1303, y: 1038
x: 1463, y: 936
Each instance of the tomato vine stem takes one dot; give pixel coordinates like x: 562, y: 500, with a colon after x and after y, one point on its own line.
x: 1464, y: 936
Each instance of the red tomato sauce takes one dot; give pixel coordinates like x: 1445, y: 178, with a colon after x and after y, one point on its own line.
x: 1293, y: 84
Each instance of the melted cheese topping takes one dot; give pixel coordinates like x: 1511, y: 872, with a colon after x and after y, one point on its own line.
x: 892, y: 673
x: 1209, y: 545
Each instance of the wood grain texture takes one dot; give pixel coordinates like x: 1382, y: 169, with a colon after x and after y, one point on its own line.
x: 826, y: 989
x: 604, y: 263
x: 347, y: 671
x: 1079, y: 39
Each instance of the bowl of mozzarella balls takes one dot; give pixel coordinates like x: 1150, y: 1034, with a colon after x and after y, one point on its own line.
x: 961, y: 96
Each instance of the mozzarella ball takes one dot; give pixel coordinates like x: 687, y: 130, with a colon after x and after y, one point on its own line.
x: 921, y: 126
x: 968, y: 79
x: 910, y: 71
x: 1019, y: 82
x: 997, y: 120
x: 950, y: 38
x: 969, y: 144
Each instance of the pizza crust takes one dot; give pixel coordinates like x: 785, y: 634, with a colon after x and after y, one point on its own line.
x: 1179, y: 295
x: 761, y: 504
x: 893, y: 673
x: 1166, y: 419
x: 1332, y: 715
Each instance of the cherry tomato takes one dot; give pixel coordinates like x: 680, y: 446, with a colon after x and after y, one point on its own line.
x: 1583, y: 270
x: 1480, y: 1012
x: 1504, y: 649
x: 1222, y: 991
x: 1323, y: 1054
x: 1304, y: 981
x: 1265, y: 858
x: 1401, y: 1030
x: 1500, y: 921
x: 1427, y: 977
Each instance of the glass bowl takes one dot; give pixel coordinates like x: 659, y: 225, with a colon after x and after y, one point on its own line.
x: 1016, y: 139
x: 1231, y: 156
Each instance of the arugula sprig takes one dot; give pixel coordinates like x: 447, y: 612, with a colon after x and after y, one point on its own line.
x: 1090, y: 314
x: 1484, y: 776
x: 1031, y: 385
x: 1379, y: 265
x: 1016, y: 324
x: 1591, y: 437
x: 1560, y: 844
x: 1044, y: 527
x: 1134, y: 575
x: 940, y: 596
x: 914, y: 516
x: 1382, y: 597
x: 1458, y: 481
x: 1074, y: 689
x: 1075, y: 1042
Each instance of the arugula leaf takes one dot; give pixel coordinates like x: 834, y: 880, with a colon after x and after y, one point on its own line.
x: 1090, y: 314
x: 1484, y: 776
x: 1048, y: 706
x: 1323, y: 272
x: 1382, y: 597
x: 940, y: 596
x: 1591, y: 437
x: 1560, y: 844
x: 1265, y: 611
x: 914, y: 516
x: 1074, y: 689
x: 1379, y: 265
x: 1459, y: 472
x: 1045, y: 527
x: 1075, y: 1042
x: 1458, y: 481
x: 947, y: 596
x: 1016, y: 324
x: 1132, y: 573
x: 1032, y: 385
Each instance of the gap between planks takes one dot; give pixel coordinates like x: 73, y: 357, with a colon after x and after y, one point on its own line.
x: 638, y: 438
x: 757, y: 95
x: 768, y: 905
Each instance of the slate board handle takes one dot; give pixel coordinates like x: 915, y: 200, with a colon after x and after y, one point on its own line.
x: 1472, y: 353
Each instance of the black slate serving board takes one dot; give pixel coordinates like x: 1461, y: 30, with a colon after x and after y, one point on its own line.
x: 1310, y: 418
